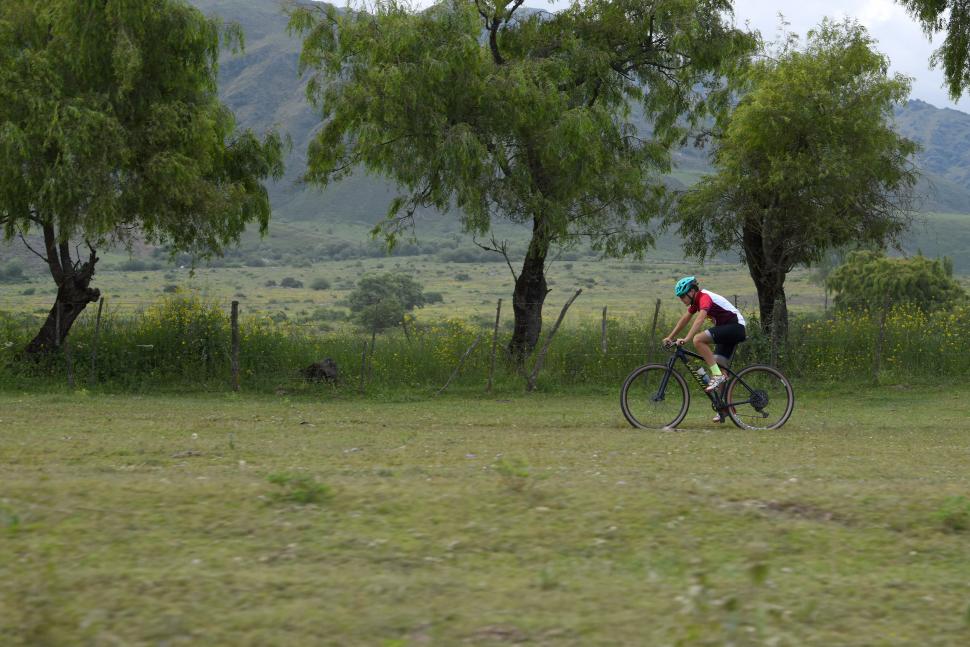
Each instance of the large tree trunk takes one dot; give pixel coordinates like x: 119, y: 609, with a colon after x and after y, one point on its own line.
x: 769, y: 275
x: 73, y: 293
x: 529, y: 295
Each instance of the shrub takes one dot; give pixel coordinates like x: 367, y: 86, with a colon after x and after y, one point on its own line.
x: 871, y: 280
x: 270, y: 283
x: 320, y: 283
x: 12, y: 271
x: 28, y: 292
x: 170, y: 289
x: 299, y: 488
x: 463, y: 276
x: 290, y: 282
x: 954, y: 515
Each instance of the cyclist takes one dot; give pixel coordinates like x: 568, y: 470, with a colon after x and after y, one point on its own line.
x: 728, y: 330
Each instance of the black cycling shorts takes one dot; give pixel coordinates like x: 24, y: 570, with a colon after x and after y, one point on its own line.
x: 727, y: 336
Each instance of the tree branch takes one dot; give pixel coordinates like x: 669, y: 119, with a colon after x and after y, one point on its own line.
x: 502, y: 249
x: 35, y: 252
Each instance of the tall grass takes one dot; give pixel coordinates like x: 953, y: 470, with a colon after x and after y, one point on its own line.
x: 184, y: 341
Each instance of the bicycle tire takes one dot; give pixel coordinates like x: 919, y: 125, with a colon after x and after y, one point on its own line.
x: 750, y: 378
x: 642, y: 380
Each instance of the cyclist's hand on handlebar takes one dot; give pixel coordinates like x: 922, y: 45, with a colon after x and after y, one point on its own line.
x: 681, y: 342
x: 667, y: 342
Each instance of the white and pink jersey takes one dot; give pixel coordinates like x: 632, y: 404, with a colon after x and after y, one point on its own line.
x: 720, y: 310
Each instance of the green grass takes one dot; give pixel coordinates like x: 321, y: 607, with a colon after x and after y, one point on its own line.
x: 259, y: 520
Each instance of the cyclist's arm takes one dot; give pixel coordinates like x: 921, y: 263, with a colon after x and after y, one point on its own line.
x: 680, y: 324
x: 694, y: 329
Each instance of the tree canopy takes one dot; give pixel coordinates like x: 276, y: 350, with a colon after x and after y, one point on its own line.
x: 380, y: 301
x: 952, y: 17
x: 808, y: 162
x: 110, y: 130
x: 537, y: 118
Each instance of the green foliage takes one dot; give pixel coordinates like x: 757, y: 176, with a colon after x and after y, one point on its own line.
x: 531, y: 122
x: 9, y: 520
x: 808, y: 161
x: 952, y: 17
x: 870, y: 280
x: 184, y: 343
x: 380, y: 301
x: 515, y: 474
x: 320, y: 283
x: 954, y: 514
x: 290, y: 282
x: 110, y: 119
x: 299, y: 488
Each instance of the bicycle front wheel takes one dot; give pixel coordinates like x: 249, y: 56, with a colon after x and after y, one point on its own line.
x: 648, y: 403
x: 759, y: 397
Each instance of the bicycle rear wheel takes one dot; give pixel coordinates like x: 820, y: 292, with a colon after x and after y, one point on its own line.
x: 759, y: 397
x: 643, y: 404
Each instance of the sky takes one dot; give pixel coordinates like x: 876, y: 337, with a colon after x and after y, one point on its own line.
x: 898, y: 35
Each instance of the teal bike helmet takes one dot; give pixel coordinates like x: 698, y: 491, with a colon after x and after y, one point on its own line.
x: 684, y: 285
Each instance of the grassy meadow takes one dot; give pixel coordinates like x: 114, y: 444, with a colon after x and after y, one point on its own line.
x: 225, y: 520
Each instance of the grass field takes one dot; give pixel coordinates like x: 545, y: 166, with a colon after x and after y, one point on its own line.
x: 253, y: 521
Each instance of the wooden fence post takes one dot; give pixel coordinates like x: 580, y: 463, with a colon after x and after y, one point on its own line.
x: 363, y: 367
x: 653, y: 331
x: 491, y: 366
x: 603, y: 342
x: 92, y: 380
x: 531, y: 381
x: 461, y: 362
x: 881, y: 337
x: 234, y: 357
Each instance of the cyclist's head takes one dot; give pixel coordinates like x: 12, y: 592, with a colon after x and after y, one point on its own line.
x: 685, y: 285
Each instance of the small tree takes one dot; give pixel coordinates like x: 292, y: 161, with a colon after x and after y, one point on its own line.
x: 381, y: 301
x: 808, y: 162
x: 110, y: 128
x: 869, y: 280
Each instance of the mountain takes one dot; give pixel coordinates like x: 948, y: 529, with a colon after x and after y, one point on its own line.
x: 263, y: 88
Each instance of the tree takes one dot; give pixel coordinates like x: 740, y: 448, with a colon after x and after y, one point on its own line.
x: 110, y: 128
x: 952, y: 16
x: 380, y: 301
x: 807, y: 163
x: 477, y: 108
x: 869, y: 280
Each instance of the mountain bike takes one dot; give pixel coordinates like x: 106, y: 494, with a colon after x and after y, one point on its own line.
x: 655, y: 396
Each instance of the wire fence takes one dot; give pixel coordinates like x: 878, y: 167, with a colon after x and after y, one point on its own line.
x: 218, y: 345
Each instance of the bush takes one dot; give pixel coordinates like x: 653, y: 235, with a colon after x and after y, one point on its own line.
x: 270, y: 283
x: 320, y: 283
x: 462, y: 276
x: 28, y: 292
x: 871, y: 280
x: 12, y: 271
x: 170, y: 289
x: 290, y: 282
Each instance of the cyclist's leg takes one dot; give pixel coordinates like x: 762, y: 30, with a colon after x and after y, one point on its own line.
x: 702, y: 342
x: 726, y: 338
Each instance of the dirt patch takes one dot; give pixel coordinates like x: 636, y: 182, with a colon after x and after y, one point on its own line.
x: 794, y: 509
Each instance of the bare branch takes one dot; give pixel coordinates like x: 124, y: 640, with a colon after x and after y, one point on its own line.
x: 34, y: 251
x: 503, y: 249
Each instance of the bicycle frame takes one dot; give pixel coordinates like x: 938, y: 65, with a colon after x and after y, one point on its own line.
x: 714, y: 396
